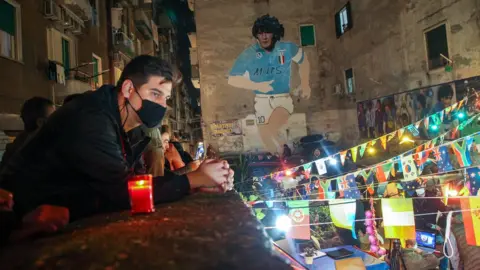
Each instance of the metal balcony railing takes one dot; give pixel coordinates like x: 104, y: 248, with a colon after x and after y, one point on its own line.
x: 81, y: 8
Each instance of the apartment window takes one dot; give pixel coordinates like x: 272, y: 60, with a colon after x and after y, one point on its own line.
x: 10, y: 30
x: 97, y: 71
x: 307, y: 35
x: 61, y: 49
x: 343, y: 20
x: 349, y: 81
x: 437, y: 45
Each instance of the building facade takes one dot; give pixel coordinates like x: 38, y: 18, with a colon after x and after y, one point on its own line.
x: 356, y: 50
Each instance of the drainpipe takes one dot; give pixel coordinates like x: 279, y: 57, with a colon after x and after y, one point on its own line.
x: 109, y: 6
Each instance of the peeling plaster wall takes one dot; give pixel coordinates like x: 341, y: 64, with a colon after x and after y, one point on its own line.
x: 385, y: 47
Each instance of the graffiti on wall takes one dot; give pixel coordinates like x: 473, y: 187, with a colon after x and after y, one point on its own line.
x: 384, y: 115
x: 266, y: 69
x: 226, y: 128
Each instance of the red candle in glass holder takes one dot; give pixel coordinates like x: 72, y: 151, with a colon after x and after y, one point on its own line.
x: 141, y: 197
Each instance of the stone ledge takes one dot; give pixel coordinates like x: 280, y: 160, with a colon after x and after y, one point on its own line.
x: 203, y: 231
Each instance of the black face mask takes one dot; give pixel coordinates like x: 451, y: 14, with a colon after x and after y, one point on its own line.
x: 150, y: 113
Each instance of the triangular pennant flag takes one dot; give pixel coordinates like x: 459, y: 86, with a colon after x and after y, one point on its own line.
x: 441, y: 114
x: 426, y: 121
x: 299, y: 213
x: 462, y: 152
x: 343, y: 154
x: 419, y: 148
x: 383, y: 139
x: 417, y: 124
x: 354, y: 151
x: 400, y: 133
x: 442, y: 139
x: 448, y: 109
x: 434, y: 142
x: 458, y: 104
x: 391, y: 136
x: 362, y: 149
x: 342, y: 185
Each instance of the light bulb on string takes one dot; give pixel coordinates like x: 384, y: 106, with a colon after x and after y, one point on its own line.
x: 434, y: 127
x: 406, y: 139
x: 460, y: 115
x: 371, y: 150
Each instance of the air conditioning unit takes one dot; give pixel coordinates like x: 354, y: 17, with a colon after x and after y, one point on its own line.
x: 337, y: 90
x: 51, y: 10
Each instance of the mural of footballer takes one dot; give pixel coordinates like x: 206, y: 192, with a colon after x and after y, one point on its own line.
x: 265, y: 68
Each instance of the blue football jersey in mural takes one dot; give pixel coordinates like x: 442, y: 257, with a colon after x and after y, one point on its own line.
x: 266, y: 66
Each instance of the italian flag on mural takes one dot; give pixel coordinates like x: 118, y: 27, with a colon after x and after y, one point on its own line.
x: 398, y: 219
x: 471, y: 219
x: 299, y: 213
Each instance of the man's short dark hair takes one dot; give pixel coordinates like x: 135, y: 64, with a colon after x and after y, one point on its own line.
x: 422, y: 100
x: 142, y: 67
x: 34, y: 109
x: 445, y: 91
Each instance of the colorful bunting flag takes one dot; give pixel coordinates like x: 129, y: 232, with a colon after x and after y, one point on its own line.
x: 321, y: 167
x: 300, y: 215
x: 323, y: 189
x: 443, y: 159
x: 383, y: 139
x: 308, y: 169
x: 383, y: 172
x: 471, y: 219
x: 342, y: 213
x: 391, y: 136
x: 362, y: 149
x: 418, y: 123
x: 462, y: 151
x: 342, y: 185
x: 410, y: 171
x: 426, y: 121
x: 354, y: 151
x: 400, y: 133
x: 398, y: 219
x: 473, y: 178
x: 351, y: 192
x: 343, y: 154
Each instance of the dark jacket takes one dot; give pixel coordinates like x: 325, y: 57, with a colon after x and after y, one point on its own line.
x: 14, y: 146
x: 81, y: 159
x: 186, y: 158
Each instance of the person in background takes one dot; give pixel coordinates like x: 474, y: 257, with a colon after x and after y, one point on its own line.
x: 416, y: 259
x: 34, y: 113
x: 388, y: 120
x: 444, y: 96
x: 370, y: 118
x: 82, y: 158
x: 154, y: 155
x: 287, y: 152
x: 422, y: 110
x: 175, y: 141
x: 173, y: 160
x: 362, y: 121
x: 379, y: 118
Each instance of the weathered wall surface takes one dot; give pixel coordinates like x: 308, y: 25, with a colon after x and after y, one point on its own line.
x: 386, y: 49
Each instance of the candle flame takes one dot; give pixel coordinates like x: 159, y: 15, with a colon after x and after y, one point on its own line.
x: 140, y: 183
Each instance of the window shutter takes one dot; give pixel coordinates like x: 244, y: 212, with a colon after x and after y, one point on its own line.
x: 349, y: 15
x: 337, y: 25
x: 307, y: 35
x: 7, y: 17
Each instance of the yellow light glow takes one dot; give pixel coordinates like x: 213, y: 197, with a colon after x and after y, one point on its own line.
x: 371, y: 150
x: 288, y: 172
x: 406, y: 139
x: 452, y: 193
x: 140, y: 183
